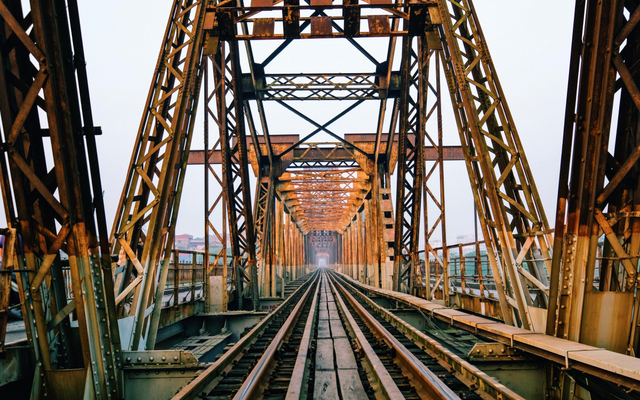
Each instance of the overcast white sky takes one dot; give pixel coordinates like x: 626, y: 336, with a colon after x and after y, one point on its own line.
x: 529, y: 42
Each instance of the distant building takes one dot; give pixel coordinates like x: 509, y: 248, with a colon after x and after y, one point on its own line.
x: 197, y: 244
x: 188, y: 242
x: 183, y: 242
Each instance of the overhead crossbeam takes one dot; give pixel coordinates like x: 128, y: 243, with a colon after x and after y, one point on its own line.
x: 292, y: 25
x: 322, y: 87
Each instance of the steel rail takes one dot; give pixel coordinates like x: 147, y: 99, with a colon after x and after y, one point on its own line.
x: 251, y: 385
x: 202, y: 382
x: 384, y: 381
x: 300, y: 368
x: 427, y: 384
x: 464, y: 370
x: 617, y: 368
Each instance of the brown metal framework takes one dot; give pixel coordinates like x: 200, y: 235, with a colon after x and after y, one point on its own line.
x: 597, y: 231
x: 512, y: 218
x: 302, y: 187
x: 55, y: 209
x: 446, y: 38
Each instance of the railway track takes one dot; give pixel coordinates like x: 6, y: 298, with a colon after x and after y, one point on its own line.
x: 326, y: 341
x: 292, y: 286
x: 404, y: 360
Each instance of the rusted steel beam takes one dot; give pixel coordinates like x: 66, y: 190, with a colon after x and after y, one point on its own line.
x: 410, y: 169
x: 321, y: 26
x: 597, y: 233
x: 215, y: 211
x: 329, y: 86
x: 432, y: 179
x: 50, y: 204
x: 153, y: 187
x: 327, y: 151
x: 235, y: 172
x: 505, y: 193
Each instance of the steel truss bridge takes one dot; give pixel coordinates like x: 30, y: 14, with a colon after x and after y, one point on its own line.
x: 323, y: 289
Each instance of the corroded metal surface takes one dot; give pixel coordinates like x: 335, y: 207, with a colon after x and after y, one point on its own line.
x: 319, y: 203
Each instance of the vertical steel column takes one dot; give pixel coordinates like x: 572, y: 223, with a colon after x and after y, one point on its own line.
x: 264, y: 208
x: 589, y: 208
x: 280, y: 243
x: 353, y: 249
x: 435, y: 174
x: 216, y: 210
x: 287, y: 247
x: 373, y: 232
x: 385, y: 236
x: 235, y: 172
x: 341, y: 256
x: 410, y: 168
x: 369, y: 243
x: 363, y: 247
x: 347, y: 249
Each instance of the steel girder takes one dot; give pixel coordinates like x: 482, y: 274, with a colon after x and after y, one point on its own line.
x: 513, y: 221
x: 55, y: 210
x: 322, y: 87
x: 434, y: 176
x: 235, y: 168
x: 216, y: 210
x: 597, y: 234
x: 144, y: 226
x: 410, y: 170
x: 323, y: 200
x: 447, y: 31
x: 264, y: 227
